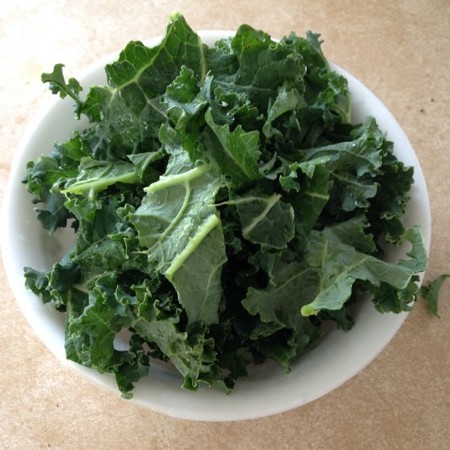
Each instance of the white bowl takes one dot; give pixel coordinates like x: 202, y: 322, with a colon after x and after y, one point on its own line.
x: 269, y: 389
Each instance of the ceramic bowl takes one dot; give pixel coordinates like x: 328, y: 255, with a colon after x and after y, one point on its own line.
x: 269, y: 390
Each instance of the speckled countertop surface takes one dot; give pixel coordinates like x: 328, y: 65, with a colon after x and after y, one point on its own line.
x: 401, y: 50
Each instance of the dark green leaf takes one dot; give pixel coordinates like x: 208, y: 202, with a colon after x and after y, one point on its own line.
x: 58, y: 84
x: 430, y: 293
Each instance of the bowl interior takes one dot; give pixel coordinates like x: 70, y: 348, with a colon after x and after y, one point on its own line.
x: 269, y: 390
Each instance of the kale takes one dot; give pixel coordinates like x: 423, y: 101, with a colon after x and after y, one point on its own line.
x: 224, y: 206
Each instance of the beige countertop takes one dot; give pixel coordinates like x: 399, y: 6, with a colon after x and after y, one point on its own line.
x: 401, y: 50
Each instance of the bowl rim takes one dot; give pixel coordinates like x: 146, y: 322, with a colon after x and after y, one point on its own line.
x: 246, y: 401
